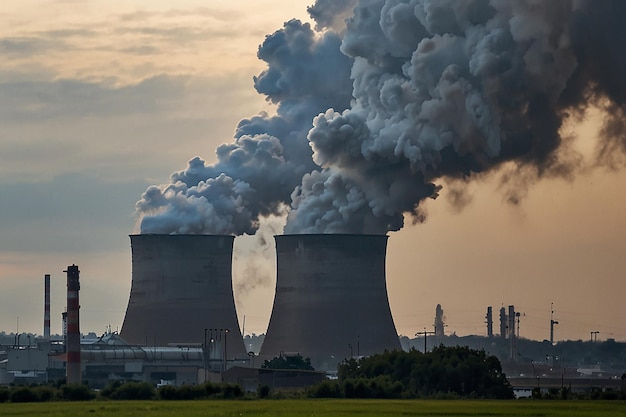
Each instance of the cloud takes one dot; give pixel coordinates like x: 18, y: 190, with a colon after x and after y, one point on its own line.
x: 73, y: 212
x: 116, y: 131
x: 26, y: 46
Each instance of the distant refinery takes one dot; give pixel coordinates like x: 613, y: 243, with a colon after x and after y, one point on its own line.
x: 181, y: 323
x: 330, y: 304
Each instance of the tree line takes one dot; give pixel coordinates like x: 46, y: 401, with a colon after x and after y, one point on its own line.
x: 444, y: 371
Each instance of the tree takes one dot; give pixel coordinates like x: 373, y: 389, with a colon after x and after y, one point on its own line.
x: 449, y: 370
x: 288, y: 362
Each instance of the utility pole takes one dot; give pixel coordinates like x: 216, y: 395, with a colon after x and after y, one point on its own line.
x: 425, y: 334
x: 552, y: 323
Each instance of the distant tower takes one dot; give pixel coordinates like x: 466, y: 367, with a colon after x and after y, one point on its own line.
x: 552, y: 323
x: 72, y: 346
x: 46, y: 307
x: 503, y: 323
x: 489, y: 321
x: 439, y: 323
x: 511, y: 321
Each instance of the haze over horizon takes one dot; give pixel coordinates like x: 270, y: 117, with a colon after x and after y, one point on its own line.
x: 99, y: 103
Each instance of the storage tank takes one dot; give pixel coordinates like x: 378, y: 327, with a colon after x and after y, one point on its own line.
x: 182, y: 292
x: 331, y: 299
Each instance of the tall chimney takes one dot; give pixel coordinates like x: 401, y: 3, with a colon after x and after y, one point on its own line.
x: 182, y: 292
x: 489, y: 321
x: 511, y: 326
x: 73, y: 368
x: 331, y: 299
x: 46, y: 307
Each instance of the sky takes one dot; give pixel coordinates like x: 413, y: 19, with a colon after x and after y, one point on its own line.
x: 100, y: 100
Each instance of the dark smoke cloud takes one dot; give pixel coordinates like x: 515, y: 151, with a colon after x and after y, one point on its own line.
x: 407, y: 93
x: 255, y: 175
x: 455, y: 88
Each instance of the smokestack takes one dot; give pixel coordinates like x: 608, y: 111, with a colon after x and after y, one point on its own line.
x: 46, y: 307
x: 511, y: 318
x: 331, y: 298
x: 181, y: 285
x: 502, y: 323
x: 439, y: 323
x: 72, y: 347
x: 489, y: 321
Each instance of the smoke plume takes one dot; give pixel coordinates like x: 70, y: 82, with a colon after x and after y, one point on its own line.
x: 255, y: 175
x: 372, y: 113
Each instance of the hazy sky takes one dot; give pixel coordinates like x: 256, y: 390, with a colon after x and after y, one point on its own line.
x: 99, y: 100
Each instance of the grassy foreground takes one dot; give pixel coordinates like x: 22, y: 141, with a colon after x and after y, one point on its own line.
x: 314, y: 408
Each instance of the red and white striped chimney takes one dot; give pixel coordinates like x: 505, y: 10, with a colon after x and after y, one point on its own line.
x: 72, y: 347
x: 46, y: 307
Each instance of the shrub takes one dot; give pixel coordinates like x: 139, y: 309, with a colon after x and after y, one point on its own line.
x: 133, y: 391
x: 45, y: 393
x: 232, y: 391
x: 212, y: 389
x: 107, y: 391
x: 325, y: 389
x: 167, y: 392
x: 191, y: 392
x: 4, y: 395
x: 23, y: 395
x: 76, y: 392
x: 263, y: 391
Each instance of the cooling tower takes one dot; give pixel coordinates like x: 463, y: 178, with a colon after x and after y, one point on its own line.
x: 331, y: 299
x: 182, y: 288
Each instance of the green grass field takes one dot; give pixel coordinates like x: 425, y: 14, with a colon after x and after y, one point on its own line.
x: 314, y: 408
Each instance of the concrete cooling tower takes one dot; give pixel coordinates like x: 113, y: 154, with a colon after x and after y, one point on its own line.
x: 331, y: 299
x: 181, y: 291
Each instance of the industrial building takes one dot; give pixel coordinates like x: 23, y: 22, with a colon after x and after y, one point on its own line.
x: 109, y: 358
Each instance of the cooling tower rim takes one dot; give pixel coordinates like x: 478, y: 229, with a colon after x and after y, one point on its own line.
x: 179, y: 235
x: 332, y: 234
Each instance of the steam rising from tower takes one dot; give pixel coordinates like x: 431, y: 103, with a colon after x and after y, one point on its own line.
x: 331, y: 299
x: 374, y: 111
